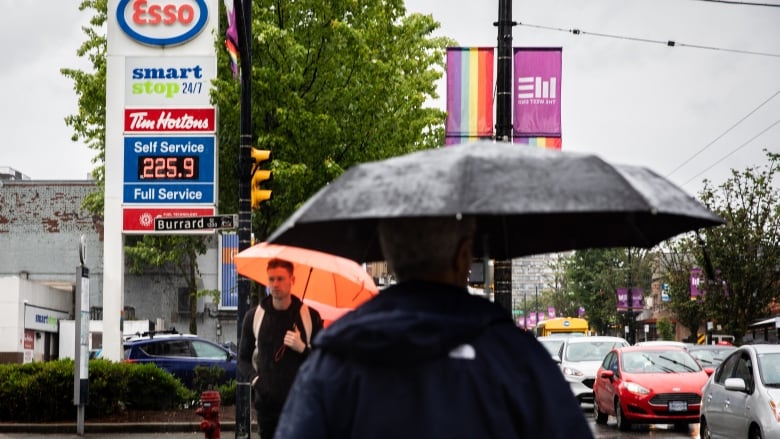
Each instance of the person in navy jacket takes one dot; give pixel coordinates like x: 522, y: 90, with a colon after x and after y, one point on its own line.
x: 426, y: 359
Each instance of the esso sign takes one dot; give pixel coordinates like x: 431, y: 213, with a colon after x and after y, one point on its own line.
x: 162, y: 22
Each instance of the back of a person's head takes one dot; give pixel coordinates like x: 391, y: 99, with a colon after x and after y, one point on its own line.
x: 421, y: 247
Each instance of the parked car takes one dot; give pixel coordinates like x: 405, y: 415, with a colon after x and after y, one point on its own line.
x: 180, y: 354
x: 580, y: 357
x: 678, y: 344
x: 742, y: 400
x: 649, y: 385
x: 553, y: 343
x: 711, y: 355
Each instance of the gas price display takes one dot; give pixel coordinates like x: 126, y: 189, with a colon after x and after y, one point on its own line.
x: 167, y: 168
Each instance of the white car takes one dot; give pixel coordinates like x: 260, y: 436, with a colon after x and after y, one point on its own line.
x: 742, y: 398
x: 580, y: 358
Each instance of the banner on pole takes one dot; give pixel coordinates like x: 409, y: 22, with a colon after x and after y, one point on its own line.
x: 636, y: 299
x: 537, y: 94
x: 469, y: 94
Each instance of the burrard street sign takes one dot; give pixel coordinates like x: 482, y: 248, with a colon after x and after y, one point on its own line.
x: 196, y: 223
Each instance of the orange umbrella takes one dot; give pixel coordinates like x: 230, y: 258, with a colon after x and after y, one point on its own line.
x: 328, y: 313
x: 322, y: 277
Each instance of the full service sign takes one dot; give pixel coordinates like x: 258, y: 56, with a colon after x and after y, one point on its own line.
x: 162, y: 23
x: 174, y: 170
x: 155, y: 82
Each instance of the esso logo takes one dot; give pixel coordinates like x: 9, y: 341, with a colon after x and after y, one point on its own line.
x: 162, y: 22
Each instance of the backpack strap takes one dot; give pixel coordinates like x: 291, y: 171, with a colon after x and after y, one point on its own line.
x: 256, y: 322
x: 306, y: 319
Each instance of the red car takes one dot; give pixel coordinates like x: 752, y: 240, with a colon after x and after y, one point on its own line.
x: 649, y: 385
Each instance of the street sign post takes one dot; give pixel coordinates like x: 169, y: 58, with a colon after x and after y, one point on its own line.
x: 196, y: 223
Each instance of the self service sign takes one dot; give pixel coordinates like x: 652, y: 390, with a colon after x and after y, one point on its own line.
x: 169, y: 170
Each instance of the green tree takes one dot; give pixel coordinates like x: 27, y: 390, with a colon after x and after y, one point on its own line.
x: 665, y: 329
x: 559, y: 295
x: 594, y: 276
x: 741, y: 258
x: 333, y: 84
x: 174, y: 252
x: 676, y: 264
x: 89, y: 124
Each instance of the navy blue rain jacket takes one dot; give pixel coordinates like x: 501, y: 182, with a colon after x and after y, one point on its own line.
x: 424, y: 360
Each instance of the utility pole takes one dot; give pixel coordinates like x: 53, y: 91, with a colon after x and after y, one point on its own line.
x: 243, y: 9
x: 503, y: 268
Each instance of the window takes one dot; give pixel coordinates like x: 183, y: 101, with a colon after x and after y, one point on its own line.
x: 208, y: 350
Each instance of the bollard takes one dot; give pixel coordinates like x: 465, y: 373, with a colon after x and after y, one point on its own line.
x: 209, y: 410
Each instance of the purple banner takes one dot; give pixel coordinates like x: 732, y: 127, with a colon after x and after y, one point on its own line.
x: 636, y: 298
x: 551, y: 312
x: 537, y: 92
x: 696, y: 293
x: 580, y: 312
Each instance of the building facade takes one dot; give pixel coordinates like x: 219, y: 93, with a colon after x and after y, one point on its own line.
x: 41, y: 226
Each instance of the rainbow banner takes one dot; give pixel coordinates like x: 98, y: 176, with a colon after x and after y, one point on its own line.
x: 537, y: 92
x: 469, y: 94
x: 541, y: 142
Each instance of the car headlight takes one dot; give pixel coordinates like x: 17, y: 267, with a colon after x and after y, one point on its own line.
x: 572, y: 372
x: 636, y: 388
x: 775, y: 407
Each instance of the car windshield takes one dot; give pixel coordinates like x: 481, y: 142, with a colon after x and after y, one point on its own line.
x: 769, y: 368
x: 589, y: 351
x: 711, y: 357
x: 659, y: 361
x: 552, y: 345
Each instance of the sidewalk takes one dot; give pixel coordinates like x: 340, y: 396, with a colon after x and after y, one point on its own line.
x: 127, y: 430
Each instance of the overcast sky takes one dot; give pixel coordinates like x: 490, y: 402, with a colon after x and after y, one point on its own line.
x: 627, y: 100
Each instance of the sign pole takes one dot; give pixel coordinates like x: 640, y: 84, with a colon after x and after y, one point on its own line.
x: 81, y: 353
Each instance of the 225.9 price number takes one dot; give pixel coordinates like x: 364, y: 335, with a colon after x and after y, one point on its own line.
x: 168, y: 168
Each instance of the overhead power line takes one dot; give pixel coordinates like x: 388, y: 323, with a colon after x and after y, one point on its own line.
x: 772, y: 125
x: 670, y: 43
x: 721, y: 135
x: 734, y: 2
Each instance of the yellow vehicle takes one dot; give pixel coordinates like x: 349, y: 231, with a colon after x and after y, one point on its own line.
x: 562, y: 326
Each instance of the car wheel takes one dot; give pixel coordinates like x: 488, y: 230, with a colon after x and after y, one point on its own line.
x: 704, y: 430
x: 755, y: 433
x: 622, y: 423
x: 601, y: 417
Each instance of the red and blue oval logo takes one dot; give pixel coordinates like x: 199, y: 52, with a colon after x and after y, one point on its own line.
x: 162, y: 22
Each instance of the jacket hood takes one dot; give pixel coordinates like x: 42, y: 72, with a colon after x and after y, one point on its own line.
x: 410, y: 322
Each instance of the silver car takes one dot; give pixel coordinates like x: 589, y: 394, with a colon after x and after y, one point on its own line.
x: 580, y: 358
x: 742, y: 398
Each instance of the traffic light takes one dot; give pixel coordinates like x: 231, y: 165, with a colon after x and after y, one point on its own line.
x: 259, y: 176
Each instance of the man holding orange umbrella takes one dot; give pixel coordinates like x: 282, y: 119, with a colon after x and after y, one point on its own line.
x: 275, y: 340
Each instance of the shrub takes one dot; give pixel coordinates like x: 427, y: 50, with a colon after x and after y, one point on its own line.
x: 43, y: 391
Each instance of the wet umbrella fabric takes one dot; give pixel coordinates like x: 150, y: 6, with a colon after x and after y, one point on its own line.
x: 526, y: 200
x: 325, y: 278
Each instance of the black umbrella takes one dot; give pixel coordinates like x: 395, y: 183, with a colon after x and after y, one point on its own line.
x: 526, y: 200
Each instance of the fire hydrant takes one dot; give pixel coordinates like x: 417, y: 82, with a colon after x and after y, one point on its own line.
x: 209, y: 410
